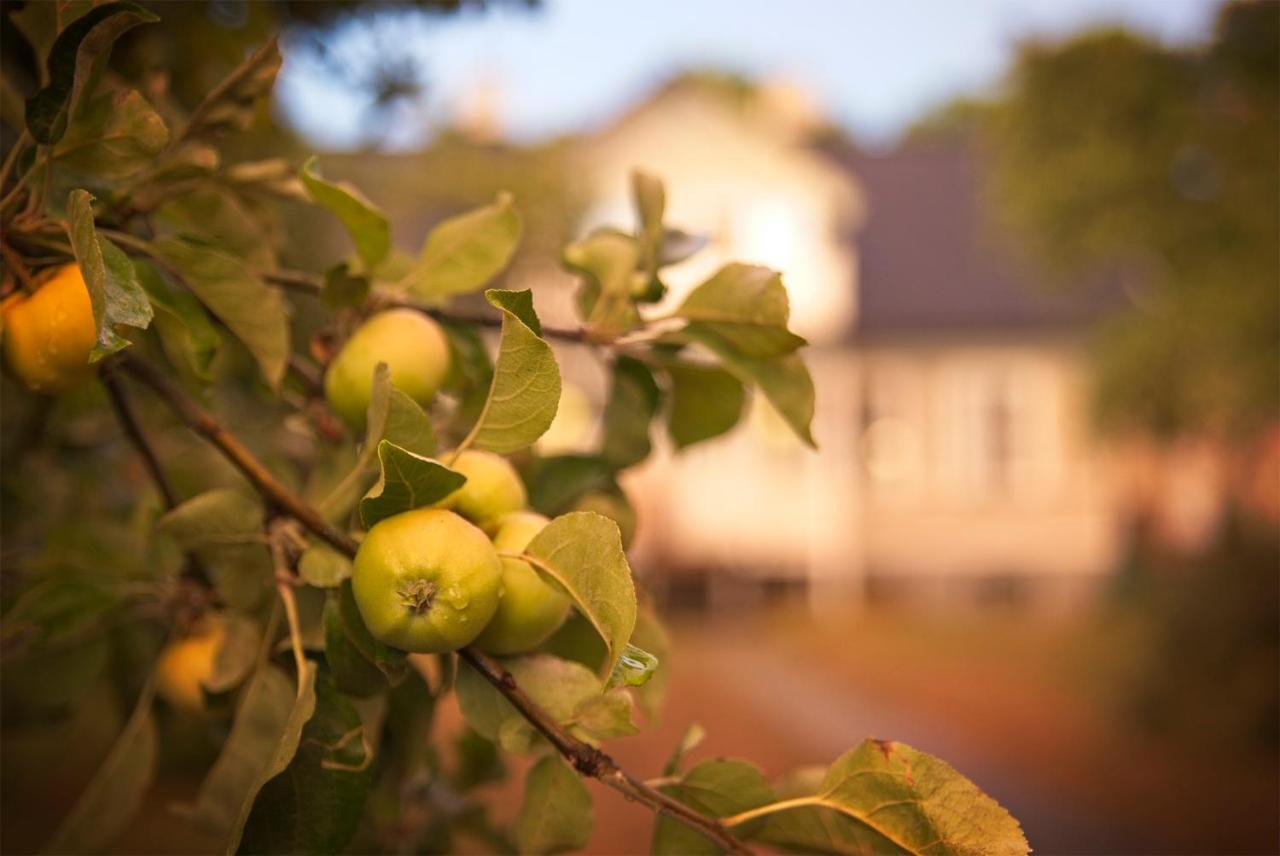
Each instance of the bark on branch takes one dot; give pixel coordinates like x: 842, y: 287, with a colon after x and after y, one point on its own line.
x: 206, y: 425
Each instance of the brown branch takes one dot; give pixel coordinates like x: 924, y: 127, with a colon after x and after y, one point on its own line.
x: 308, y: 283
x: 133, y: 430
x: 19, y: 268
x: 586, y: 759
x: 592, y: 762
x: 194, y: 569
x: 207, y: 426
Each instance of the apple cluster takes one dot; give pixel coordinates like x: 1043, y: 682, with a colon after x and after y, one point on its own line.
x: 435, y: 579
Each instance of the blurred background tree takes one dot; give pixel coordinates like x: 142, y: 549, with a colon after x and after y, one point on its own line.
x: 1114, y: 153
x: 1113, y: 159
x: 1113, y: 156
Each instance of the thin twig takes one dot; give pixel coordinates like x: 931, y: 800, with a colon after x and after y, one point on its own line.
x: 11, y: 159
x: 284, y: 586
x: 133, y: 430
x: 19, y: 268
x: 311, y: 377
x: 204, y: 424
x: 592, y: 762
x: 586, y: 759
x: 194, y: 569
x: 308, y: 283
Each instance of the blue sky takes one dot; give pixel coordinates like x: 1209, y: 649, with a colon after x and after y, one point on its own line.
x: 873, y: 65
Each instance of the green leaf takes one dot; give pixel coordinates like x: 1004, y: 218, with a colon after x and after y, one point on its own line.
x: 470, y: 375
x: 407, y: 743
x: 118, y: 297
x: 353, y: 673
x: 582, y: 553
x: 76, y: 59
x: 525, y: 392
x: 464, y: 253
x: 558, y: 686
x: 747, y: 306
x: 408, y: 425
x: 556, y: 483
x: 393, y: 662
x: 241, y: 639
x: 577, y: 640
x: 678, y: 245
x: 60, y: 602
x: 367, y: 225
x: 556, y: 813
x: 718, y: 788
x: 608, y: 260
x: 784, y: 380
x: 216, y: 517
x: 187, y: 335
x: 634, y: 667
x: 114, y: 136
x: 650, y: 635
x: 342, y: 288
x: 252, y: 310
x: 229, y: 106
x: 608, y: 715
x: 705, y: 402
x: 224, y: 527
x: 315, y: 804
x: 479, y: 761
x: 264, y: 735
x: 651, y: 201
x: 323, y: 567
x: 40, y: 23
x: 633, y: 400
x: 112, y: 798
x: 218, y: 217
x: 887, y: 797
x: 286, y: 746
x: 407, y: 481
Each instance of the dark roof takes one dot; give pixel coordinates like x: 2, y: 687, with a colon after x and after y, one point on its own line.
x: 931, y: 261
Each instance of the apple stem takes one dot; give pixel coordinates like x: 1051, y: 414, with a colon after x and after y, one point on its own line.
x: 418, y: 595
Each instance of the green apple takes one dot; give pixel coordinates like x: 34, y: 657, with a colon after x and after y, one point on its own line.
x: 426, y: 581
x: 414, y: 348
x: 531, y: 609
x: 493, y: 488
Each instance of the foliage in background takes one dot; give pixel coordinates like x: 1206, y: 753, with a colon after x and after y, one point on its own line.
x: 1115, y: 155
x: 173, y: 607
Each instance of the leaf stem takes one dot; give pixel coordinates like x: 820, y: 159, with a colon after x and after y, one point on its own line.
x: 295, y: 628
x: 769, y: 808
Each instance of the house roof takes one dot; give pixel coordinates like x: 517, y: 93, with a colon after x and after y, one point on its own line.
x: 930, y: 260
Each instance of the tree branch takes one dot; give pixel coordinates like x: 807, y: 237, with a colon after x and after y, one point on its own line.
x: 586, y: 759
x: 207, y: 426
x: 307, y: 283
x: 133, y: 430
x: 592, y: 762
x: 194, y: 568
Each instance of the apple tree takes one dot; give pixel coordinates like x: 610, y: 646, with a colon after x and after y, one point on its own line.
x: 300, y: 507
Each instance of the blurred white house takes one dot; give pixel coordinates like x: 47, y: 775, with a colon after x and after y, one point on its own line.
x: 950, y: 415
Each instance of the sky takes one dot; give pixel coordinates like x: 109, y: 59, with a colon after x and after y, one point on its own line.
x: 872, y: 65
